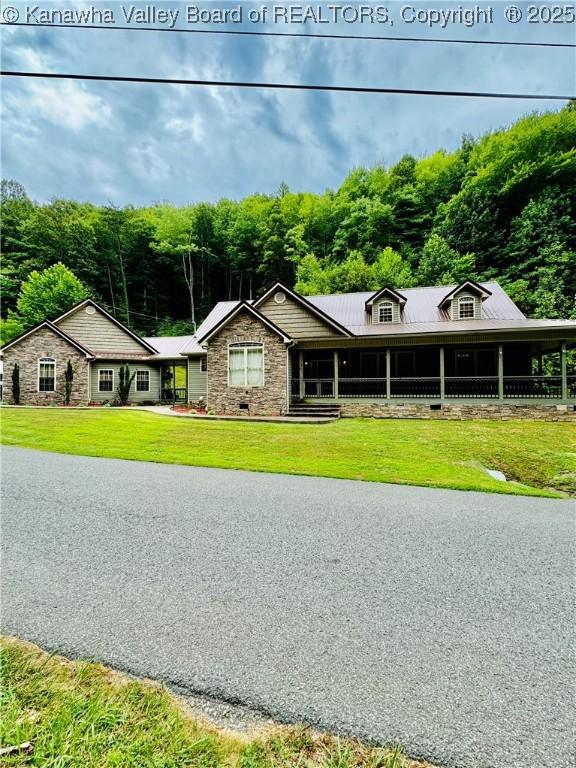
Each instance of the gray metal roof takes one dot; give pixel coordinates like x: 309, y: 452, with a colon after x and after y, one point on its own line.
x: 419, y: 315
x: 171, y: 347
x: 421, y: 306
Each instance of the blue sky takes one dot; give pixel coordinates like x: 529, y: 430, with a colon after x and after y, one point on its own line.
x: 138, y: 144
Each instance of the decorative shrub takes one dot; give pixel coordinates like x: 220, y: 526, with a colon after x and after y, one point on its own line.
x: 125, y: 379
x: 68, y: 381
x: 16, y: 384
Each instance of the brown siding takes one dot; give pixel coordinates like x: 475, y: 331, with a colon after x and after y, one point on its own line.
x: 45, y: 343
x: 99, y: 334
x: 296, y: 321
x: 269, y: 399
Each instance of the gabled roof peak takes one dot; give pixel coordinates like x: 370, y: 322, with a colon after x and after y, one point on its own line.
x: 472, y: 286
x: 386, y: 291
x: 92, y: 303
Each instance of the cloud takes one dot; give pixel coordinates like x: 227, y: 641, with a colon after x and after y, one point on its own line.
x: 141, y: 143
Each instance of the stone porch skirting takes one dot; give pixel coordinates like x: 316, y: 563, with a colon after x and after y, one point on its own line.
x: 459, y: 411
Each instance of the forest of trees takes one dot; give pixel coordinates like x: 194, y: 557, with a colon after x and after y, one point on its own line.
x: 500, y: 207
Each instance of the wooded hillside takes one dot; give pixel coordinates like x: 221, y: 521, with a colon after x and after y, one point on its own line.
x: 501, y: 207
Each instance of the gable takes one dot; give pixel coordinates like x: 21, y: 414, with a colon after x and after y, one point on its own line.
x: 89, y: 325
x: 41, y: 330
x: 296, y: 320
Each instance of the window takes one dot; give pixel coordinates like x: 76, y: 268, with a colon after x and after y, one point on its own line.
x: 385, y: 312
x: 46, y: 374
x: 465, y: 307
x: 142, y: 381
x: 246, y: 365
x: 105, y: 380
x: 203, y: 364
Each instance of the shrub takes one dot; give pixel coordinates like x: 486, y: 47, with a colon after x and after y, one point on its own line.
x: 68, y: 380
x: 125, y: 379
x: 16, y: 384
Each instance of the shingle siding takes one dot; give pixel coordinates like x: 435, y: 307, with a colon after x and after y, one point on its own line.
x: 295, y: 320
x: 99, y: 334
x: 197, y: 380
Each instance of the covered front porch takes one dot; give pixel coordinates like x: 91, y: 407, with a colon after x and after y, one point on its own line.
x: 530, y: 371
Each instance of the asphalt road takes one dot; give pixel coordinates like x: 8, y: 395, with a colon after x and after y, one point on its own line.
x: 439, y: 619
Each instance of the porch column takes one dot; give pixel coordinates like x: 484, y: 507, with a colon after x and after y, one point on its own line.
x: 564, y: 370
x: 500, y: 372
x: 336, y: 373
x: 301, y: 390
x: 388, y: 369
x: 442, y: 375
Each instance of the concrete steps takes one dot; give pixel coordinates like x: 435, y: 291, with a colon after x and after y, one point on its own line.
x: 314, y: 410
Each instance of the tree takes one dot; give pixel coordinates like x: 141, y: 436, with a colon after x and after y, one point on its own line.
x: 125, y: 379
x: 49, y: 293
x: 390, y: 269
x: 68, y: 380
x: 440, y: 264
x: 16, y: 384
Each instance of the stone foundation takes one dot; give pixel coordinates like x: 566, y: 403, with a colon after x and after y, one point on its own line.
x: 45, y: 343
x: 460, y: 411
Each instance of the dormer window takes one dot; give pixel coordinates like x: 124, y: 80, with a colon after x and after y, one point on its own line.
x: 385, y: 306
x: 466, y: 307
x: 385, y: 312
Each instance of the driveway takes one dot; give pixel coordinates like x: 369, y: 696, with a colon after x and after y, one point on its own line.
x: 442, y: 620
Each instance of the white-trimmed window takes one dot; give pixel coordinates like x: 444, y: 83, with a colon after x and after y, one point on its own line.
x: 246, y: 364
x: 106, y: 380
x: 385, y: 312
x: 46, y: 374
x: 203, y: 364
x: 142, y: 381
x: 465, y: 307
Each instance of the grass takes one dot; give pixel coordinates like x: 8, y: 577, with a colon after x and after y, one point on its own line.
x: 83, y: 715
x: 539, y: 457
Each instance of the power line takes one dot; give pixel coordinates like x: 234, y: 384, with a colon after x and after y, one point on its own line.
x: 249, y: 33
x: 285, y: 86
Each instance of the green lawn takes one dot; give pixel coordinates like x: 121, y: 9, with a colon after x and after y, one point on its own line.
x: 66, y: 714
x: 540, y: 457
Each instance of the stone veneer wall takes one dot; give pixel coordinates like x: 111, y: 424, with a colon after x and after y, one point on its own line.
x: 269, y: 399
x: 45, y: 343
x: 462, y: 411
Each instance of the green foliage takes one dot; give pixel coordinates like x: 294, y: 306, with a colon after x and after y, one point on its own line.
x: 48, y: 293
x: 500, y: 207
x: 68, y: 382
x: 125, y: 379
x: 10, y: 328
x: 16, y: 384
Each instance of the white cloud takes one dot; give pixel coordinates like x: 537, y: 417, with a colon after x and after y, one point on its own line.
x: 191, y: 128
x: 68, y: 105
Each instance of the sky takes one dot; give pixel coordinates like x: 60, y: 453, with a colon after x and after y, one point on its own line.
x: 137, y: 144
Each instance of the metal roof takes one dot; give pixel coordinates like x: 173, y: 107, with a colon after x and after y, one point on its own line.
x: 421, y: 306
x: 170, y: 347
x: 420, y: 314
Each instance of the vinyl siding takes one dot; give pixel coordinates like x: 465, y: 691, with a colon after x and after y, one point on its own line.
x: 99, y: 334
x: 395, y: 311
x: 197, y: 380
x: 454, y: 305
x: 135, y: 397
x: 296, y: 321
